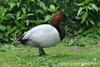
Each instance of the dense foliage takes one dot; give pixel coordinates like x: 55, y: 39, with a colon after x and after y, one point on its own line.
x: 18, y: 16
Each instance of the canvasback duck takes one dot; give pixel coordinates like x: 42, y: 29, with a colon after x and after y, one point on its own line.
x: 45, y: 35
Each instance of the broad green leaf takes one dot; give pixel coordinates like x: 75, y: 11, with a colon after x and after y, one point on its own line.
x: 78, y: 17
x: 24, y: 10
x: 88, y: 31
x: 87, y: 23
x: 12, y: 4
x: 17, y: 31
x: 8, y: 28
x: 52, y: 7
x: 27, y: 22
x: 85, y: 15
x: 87, y: 1
x: 38, y: 21
x: 17, y: 23
x: 94, y: 6
x: 18, y: 14
x: 98, y: 24
x: 39, y: 11
x: 90, y: 8
x: 55, y: 1
x: 79, y: 11
x: 33, y: 0
x: 57, y: 8
x: 13, y: 29
x: 98, y: 30
x: 1, y: 35
x: 3, y: 11
x: 30, y: 14
x: 18, y: 4
x: 5, y: 39
x: 6, y: 34
x: 19, y: 18
x: 47, y: 17
x: 3, y: 28
x: 81, y: 4
x: 42, y: 5
x: 91, y: 21
x: 79, y: 31
x: 8, y: 16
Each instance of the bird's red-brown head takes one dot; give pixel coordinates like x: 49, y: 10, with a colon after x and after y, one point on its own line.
x: 60, y: 17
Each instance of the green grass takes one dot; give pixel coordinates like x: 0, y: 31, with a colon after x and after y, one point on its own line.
x: 70, y: 56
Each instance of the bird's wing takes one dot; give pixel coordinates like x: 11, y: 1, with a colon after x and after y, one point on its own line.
x: 26, y: 36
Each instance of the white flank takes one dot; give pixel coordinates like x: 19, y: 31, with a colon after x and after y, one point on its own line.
x: 42, y: 36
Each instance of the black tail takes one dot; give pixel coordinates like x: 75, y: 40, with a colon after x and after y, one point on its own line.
x: 21, y: 40
x: 16, y: 42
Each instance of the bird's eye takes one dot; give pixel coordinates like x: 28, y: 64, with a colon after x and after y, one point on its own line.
x: 62, y: 14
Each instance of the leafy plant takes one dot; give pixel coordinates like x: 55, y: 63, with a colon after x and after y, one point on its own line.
x: 5, y: 47
x: 86, y: 12
x: 17, y: 16
x: 80, y: 41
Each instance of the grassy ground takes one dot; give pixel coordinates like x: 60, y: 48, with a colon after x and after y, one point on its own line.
x: 70, y: 56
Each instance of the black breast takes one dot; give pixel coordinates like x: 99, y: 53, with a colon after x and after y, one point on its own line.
x: 62, y: 32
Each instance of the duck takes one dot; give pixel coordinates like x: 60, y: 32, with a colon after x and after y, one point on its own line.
x: 46, y: 35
